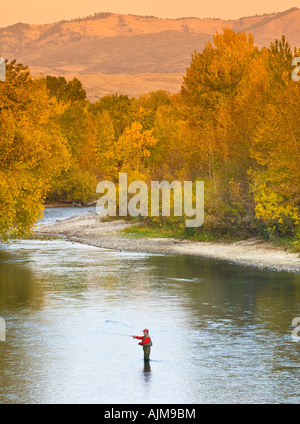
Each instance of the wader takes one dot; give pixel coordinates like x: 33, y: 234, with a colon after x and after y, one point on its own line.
x: 147, y: 348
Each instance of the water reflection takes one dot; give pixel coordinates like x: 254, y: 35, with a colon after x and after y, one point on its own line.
x: 147, y: 371
x: 222, y: 332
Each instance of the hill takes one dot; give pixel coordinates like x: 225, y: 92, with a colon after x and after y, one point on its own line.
x: 119, y: 46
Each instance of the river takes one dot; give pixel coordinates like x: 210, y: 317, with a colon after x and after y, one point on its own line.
x: 221, y: 333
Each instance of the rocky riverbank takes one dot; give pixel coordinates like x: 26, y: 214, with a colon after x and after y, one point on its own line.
x: 88, y: 229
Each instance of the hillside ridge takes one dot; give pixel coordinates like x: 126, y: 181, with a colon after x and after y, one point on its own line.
x: 118, y: 45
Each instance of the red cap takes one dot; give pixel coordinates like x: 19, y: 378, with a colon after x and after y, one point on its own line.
x: 146, y: 330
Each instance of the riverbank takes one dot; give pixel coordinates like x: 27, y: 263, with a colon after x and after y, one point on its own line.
x: 88, y: 229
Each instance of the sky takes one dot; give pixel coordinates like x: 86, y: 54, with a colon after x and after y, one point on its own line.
x: 48, y: 11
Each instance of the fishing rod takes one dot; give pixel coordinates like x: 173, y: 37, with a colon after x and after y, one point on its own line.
x: 116, y: 334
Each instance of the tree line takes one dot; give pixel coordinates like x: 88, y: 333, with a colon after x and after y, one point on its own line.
x: 234, y: 125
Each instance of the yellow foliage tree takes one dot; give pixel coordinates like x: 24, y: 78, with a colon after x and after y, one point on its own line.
x: 276, y: 180
x: 32, y: 150
x: 132, y: 149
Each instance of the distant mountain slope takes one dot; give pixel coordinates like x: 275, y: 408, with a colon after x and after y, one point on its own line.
x: 285, y: 23
x: 167, y: 51
x: 115, y: 44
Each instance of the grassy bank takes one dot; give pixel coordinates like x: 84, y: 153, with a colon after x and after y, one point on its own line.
x: 142, y: 229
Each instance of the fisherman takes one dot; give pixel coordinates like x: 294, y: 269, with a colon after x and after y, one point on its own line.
x: 146, y: 343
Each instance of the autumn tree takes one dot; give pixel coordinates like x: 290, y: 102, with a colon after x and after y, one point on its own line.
x: 119, y: 109
x: 104, y: 143
x: 133, y: 149
x: 78, y: 183
x: 64, y: 90
x: 276, y: 178
x: 215, y: 73
x: 33, y: 150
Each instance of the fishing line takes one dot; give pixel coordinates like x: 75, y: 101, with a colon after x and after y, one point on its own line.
x: 116, y: 334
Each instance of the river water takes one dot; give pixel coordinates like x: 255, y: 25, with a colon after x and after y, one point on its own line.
x: 221, y: 333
